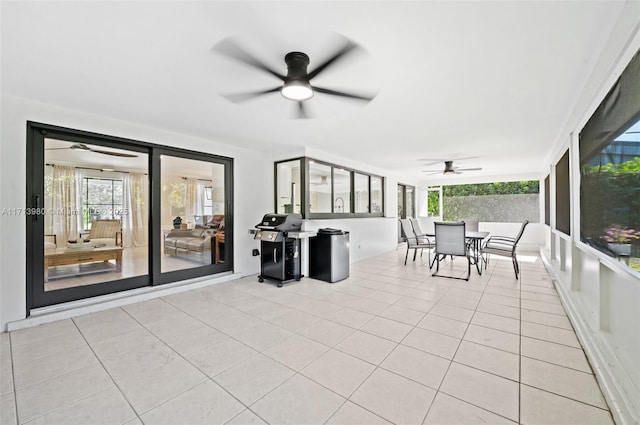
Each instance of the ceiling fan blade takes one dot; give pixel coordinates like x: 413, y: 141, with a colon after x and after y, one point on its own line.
x: 348, y: 47
x: 432, y: 172
x: 56, y: 149
x: 80, y: 146
x: 431, y: 161
x: 232, y: 49
x: 366, y: 98
x: 452, y: 158
x: 243, y: 97
x: 468, y: 169
x: 123, y: 155
x: 301, y: 111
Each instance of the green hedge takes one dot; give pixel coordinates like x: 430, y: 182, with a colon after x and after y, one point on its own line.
x: 500, y: 188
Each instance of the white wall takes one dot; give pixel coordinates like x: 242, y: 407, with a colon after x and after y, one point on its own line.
x: 252, y: 192
x: 601, y: 296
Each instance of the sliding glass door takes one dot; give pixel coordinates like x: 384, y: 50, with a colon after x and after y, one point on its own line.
x: 102, y: 215
x: 192, y: 213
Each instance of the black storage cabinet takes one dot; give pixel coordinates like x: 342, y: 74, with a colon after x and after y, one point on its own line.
x: 329, y: 255
x: 280, y: 260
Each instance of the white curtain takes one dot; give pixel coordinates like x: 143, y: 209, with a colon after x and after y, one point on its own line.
x: 66, y: 203
x: 191, y: 200
x: 135, y: 198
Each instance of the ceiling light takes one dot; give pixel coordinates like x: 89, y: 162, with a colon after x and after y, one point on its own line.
x: 297, y: 90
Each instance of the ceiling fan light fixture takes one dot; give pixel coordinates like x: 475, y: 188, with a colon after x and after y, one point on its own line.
x: 297, y: 90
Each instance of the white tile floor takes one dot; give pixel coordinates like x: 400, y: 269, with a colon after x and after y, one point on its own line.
x: 391, y: 344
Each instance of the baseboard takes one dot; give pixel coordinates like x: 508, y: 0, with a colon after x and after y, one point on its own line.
x: 607, y: 368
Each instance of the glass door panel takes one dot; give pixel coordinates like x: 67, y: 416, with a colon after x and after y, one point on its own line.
x: 96, y: 209
x: 192, y: 213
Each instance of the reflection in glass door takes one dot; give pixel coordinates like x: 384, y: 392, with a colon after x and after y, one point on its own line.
x: 192, y: 213
x: 96, y: 209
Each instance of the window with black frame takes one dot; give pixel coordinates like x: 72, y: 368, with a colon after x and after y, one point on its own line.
x: 610, y: 171
x: 318, y: 190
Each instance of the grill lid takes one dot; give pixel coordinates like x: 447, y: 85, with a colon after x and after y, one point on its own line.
x: 280, y: 222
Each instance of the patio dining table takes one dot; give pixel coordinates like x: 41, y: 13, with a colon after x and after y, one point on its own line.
x: 476, y: 238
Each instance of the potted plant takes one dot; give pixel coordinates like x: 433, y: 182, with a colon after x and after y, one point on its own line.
x: 177, y: 222
x: 619, y: 239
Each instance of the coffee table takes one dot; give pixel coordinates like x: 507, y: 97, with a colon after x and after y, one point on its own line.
x: 64, y: 257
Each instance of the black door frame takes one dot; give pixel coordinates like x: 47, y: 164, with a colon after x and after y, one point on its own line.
x: 36, y: 296
x: 404, y: 205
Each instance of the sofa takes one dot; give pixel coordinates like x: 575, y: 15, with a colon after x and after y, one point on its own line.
x: 195, y: 244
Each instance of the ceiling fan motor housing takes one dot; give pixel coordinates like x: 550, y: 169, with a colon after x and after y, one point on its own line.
x: 297, y: 63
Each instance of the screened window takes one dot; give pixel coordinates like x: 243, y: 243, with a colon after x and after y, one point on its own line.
x: 563, y: 195
x: 610, y: 171
x: 433, y: 201
x: 493, y: 202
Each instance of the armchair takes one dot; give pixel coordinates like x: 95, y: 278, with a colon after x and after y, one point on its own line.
x: 105, y: 232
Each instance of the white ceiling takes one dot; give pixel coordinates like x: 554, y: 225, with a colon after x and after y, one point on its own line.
x: 492, y: 80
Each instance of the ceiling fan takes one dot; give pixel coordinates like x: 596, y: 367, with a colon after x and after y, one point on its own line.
x: 450, y: 169
x: 296, y: 85
x: 83, y: 147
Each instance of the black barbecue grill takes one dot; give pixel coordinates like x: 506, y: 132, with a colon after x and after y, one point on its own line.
x: 280, y: 254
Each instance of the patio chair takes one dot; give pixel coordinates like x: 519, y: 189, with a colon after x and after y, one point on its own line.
x: 504, y: 246
x: 423, y: 238
x: 450, y: 240
x: 413, y: 241
x: 471, y: 224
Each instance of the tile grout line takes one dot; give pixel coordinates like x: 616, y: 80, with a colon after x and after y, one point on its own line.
x: 438, y: 390
x: 208, y: 378
x: 520, y: 354
x: 454, y: 354
x: 13, y: 380
x: 106, y: 371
